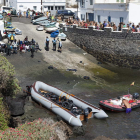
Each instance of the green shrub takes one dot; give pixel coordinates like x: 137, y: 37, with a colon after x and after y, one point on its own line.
x: 36, y: 130
x: 8, y: 83
x: 4, y: 115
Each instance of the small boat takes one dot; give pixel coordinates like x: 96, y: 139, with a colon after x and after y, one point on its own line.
x: 115, y: 103
x: 51, y: 29
x: 62, y: 36
x: 39, y: 28
x: 10, y: 29
x: 71, y: 108
x: 55, y: 33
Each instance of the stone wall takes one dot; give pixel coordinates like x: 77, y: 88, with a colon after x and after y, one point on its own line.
x: 119, y: 48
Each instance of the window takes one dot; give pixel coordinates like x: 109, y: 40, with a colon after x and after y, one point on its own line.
x: 51, y: 7
x: 62, y: 7
x: 35, y: 8
x: 121, y: 19
x: 99, y: 18
x: 82, y: 3
x: 91, y: 2
x: 55, y: 7
x: 59, y: 7
x: 117, y: 0
x: 82, y: 17
x: 109, y: 18
x: 48, y: 7
x: 122, y: 1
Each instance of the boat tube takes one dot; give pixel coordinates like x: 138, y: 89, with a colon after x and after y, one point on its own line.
x: 71, y: 108
x: 115, y: 103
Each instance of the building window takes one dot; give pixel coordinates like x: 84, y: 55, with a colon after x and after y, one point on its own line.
x: 62, y: 7
x: 99, y: 18
x: 82, y: 3
x: 121, y: 19
x: 109, y: 18
x: 122, y: 1
x: 91, y: 2
x: 55, y: 7
x: 59, y: 7
x: 48, y: 7
x: 35, y: 8
x: 51, y: 7
x: 82, y: 17
x: 117, y: 0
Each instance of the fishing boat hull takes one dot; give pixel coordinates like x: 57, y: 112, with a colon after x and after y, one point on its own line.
x: 64, y: 113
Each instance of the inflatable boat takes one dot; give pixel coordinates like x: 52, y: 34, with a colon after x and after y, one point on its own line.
x: 115, y: 103
x: 69, y: 107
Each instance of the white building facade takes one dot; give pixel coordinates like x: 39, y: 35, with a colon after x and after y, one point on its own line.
x: 47, y: 5
x: 86, y: 10
x: 111, y: 10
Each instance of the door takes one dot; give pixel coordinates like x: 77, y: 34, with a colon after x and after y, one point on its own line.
x: 109, y: 18
x: 121, y: 19
x: 91, y: 16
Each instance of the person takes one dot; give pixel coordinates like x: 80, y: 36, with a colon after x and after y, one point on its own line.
x: 32, y: 50
x: 126, y: 102
x: 27, y: 47
x: 37, y: 47
x: 8, y: 49
x: 54, y: 44
x: 12, y: 38
x: 60, y: 46
x: 47, y: 44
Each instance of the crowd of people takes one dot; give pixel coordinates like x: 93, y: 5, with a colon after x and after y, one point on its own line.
x: 101, y: 26
x: 13, y: 46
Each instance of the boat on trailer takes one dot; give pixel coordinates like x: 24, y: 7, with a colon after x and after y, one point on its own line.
x: 115, y: 104
x: 71, y: 108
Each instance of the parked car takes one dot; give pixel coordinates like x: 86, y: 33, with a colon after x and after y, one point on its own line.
x: 65, y: 13
x: 18, y: 31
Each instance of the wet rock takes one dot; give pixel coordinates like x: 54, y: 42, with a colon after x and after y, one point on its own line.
x: 86, y: 77
x: 72, y: 70
x: 16, y: 105
x: 50, y: 67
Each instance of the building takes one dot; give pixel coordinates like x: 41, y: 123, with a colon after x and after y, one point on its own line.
x: 110, y: 10
x: 86, y: 10
x: 47, y: 5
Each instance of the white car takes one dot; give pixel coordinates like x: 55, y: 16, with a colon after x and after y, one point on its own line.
x: 18, y: 31
x: 39, y: 28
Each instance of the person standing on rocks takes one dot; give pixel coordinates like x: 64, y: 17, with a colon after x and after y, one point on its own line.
x: 47, y: 43
x: 8, y: 49
x: 54, y: 44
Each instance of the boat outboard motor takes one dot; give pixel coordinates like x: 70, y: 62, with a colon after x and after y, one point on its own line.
x: 135, y: 95
x: 54, y: 97
x: 86, y: 112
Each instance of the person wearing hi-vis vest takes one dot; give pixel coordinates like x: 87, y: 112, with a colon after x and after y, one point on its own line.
x: 54, y: 44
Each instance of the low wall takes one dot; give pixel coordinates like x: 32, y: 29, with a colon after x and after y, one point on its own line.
x: 116, y: 47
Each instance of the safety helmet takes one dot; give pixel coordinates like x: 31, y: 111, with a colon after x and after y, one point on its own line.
x: 135, y: 95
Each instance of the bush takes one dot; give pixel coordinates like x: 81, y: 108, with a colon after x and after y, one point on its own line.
x: 8, y: 82
x: 36, y: 130
x: 4, y: 115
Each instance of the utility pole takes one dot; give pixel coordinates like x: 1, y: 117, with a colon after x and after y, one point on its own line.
x: 41, y: 6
